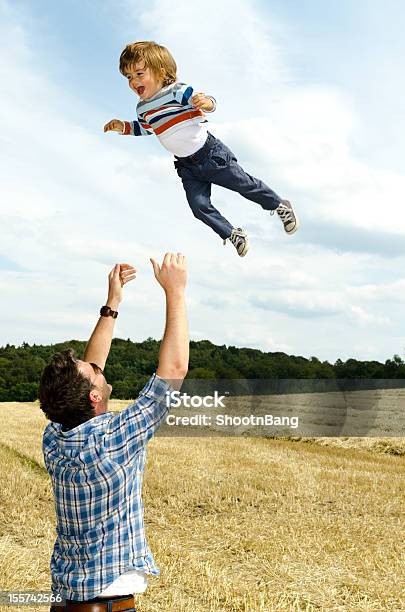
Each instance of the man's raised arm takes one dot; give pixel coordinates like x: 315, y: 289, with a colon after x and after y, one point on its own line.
x: 174, y: 350
x: 99, y: 345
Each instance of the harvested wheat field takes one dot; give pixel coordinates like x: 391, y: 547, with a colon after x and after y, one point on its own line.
x: 235, y: 524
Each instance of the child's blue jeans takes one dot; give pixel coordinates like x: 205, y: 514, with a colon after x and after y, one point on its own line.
x: 215, y: 164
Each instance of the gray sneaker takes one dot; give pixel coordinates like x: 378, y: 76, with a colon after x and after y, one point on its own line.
x: 239, y: 241
x: 287, y: 215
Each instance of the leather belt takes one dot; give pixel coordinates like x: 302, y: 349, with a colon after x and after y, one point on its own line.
x: 96, y: 606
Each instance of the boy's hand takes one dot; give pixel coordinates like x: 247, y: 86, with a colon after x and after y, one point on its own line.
x: 172, y: 274
x: 115, y: 125
x: 200, y: 101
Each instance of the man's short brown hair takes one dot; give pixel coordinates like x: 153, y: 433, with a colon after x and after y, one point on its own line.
x: 157, y: 58
x: 64, y: 391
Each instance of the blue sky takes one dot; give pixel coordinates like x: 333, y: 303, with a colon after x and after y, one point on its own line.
x: 310, y: 98
x: 356, y: 46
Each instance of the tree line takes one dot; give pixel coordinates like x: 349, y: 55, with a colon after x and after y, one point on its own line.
x: 131, y: 363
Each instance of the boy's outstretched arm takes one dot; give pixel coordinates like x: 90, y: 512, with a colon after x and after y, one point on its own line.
x: 128, y: 128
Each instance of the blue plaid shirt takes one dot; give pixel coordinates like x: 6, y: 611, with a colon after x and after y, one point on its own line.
x: 96, y: 470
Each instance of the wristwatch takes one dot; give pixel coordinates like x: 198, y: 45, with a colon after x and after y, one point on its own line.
x: 106, y: 311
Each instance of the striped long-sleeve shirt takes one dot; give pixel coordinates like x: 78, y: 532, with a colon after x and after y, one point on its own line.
x: 171, y: 116
x: 96, y: 470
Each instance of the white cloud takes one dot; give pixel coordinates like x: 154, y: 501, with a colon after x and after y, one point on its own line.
x: 224, y: 43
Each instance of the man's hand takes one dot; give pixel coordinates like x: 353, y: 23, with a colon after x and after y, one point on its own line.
x: 115, y: 125
x: 117, y: 278
x: 202, y: 102
x: 172, y: 274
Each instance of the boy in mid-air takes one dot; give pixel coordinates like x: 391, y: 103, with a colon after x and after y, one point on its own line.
x: 175, y: 114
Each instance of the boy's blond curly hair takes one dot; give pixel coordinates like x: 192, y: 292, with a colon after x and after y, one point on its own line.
x: 157, y: 58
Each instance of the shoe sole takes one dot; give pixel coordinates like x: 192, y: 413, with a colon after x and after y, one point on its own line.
x: 297, y: 224
x: 245, y: 250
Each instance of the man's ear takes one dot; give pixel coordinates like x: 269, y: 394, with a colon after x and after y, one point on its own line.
x: 95, y: 397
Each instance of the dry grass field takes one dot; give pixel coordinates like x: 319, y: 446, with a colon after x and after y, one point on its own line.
x: 236, y: 524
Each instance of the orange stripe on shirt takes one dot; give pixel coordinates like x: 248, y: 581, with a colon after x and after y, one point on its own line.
x: 178, y: 119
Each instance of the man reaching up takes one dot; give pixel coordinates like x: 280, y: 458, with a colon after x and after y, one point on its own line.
x: 96, y: 458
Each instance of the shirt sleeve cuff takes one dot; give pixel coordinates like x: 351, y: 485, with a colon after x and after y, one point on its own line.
x: 127, y: 128
x: 157, y: 388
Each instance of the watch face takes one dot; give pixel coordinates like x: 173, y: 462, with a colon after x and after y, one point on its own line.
x: 105, y: 311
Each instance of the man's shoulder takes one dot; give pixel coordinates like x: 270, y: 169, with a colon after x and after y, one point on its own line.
x: 55, y: 430
x: 155, y: 391
x: 50, y: 431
